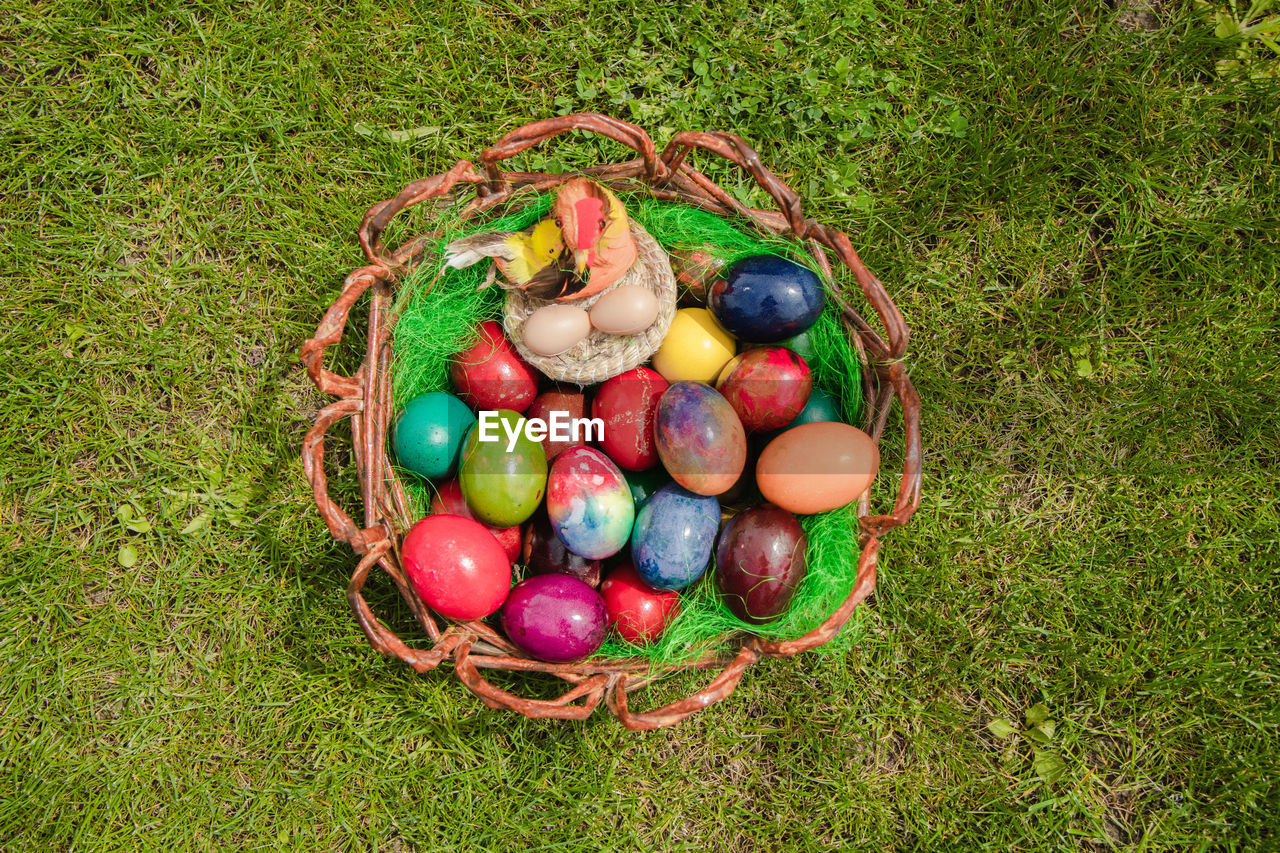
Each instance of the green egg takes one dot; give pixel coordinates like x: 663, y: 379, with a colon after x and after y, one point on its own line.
x: 644, y: 483
x: 801, y: 345
x: 503, y: 487
x: 429, y: 432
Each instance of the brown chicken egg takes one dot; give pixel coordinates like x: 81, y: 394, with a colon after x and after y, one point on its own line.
x: 554, y: 329
x: 816, y: 467
x: 627, y: 310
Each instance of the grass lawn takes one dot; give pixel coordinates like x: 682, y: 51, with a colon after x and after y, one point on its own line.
x: 1072, y: 645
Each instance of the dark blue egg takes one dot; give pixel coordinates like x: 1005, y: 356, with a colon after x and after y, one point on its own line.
x: 673, y: 536
x: 764, y: 299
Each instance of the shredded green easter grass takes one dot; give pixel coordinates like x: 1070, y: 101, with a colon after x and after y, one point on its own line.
x: 437, y: 316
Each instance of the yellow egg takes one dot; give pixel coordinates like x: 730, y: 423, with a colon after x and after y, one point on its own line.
x: 627, y: 310
x: 554, y: 329
x: 696, y: 347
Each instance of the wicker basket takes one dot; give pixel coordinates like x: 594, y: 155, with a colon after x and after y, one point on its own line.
x: 366, y: 399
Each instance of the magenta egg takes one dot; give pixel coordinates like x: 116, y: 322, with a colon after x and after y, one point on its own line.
x: 767, y: 386
x: 700, y: 438
x: 555, y: 618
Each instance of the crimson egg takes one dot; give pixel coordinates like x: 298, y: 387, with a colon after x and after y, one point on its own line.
x: 458, y: 569
x: 491, y: 375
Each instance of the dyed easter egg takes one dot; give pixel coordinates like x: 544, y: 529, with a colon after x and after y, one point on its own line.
x: 491, y: 375
x: 448, y: 500
x: 764, y: 299
x: 638, y: 611
x: 544, y: 553
x: 644, y: 483
x: 816, y: 467
x: 695, y: 270
x: 700, y: 439
x: 760, y: 561
x: 766, y: 386
x: 743, y: 492
x: 821, y: 407
x: 554, y: 329
x: 802, y: 345
x: 458, y: 569
x: 502, y: 487
x: 428, y: 434
x: 626, y: 310
x: 673, y: 536
x: 560, y: 403
x: 589, y: 503
x: 555, y: 618
x: 696, y: 347
x: 628, y: 406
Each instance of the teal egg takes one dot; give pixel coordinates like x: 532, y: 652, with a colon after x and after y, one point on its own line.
x: 429, y: 432
x: 821, y: 407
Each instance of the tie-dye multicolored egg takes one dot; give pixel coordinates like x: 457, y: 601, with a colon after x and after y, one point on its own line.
x: 674, y: 533
x: 700, y: 438
x: 589, y: 503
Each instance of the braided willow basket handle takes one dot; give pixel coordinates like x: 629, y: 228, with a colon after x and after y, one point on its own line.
x: 531, y: 134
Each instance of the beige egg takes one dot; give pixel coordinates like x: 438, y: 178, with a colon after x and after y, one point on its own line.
x: 817, y: 467
x: 555, y: 329
x: 627, y: 310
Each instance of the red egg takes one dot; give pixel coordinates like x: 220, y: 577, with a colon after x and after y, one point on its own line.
x: 458, y: 568
x: 490, y: 375
x: 767, y: 386
x: 628, y: 405
x: 569, y: 401
x: 637, y: 610
x: 449, y: 501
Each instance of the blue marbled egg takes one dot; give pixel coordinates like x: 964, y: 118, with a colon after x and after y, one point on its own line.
x: 764, y: 299
x: 674, y: 533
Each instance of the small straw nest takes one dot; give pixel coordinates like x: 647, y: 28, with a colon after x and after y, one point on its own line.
x: 601, y: 356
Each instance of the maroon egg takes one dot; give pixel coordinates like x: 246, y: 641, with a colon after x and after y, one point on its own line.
x: 628, y: 405
x: 555, y: 618
x: 544, y: 553
x: 695, y: 270
x: 767, y: 386
x: 559, y: 407
x: 490, y: 374
x: 760, y: 562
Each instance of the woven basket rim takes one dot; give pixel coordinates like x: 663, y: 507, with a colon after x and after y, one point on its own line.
x: 366, y: 399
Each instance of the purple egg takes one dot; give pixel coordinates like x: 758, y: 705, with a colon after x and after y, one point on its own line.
x: 555, y: 618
